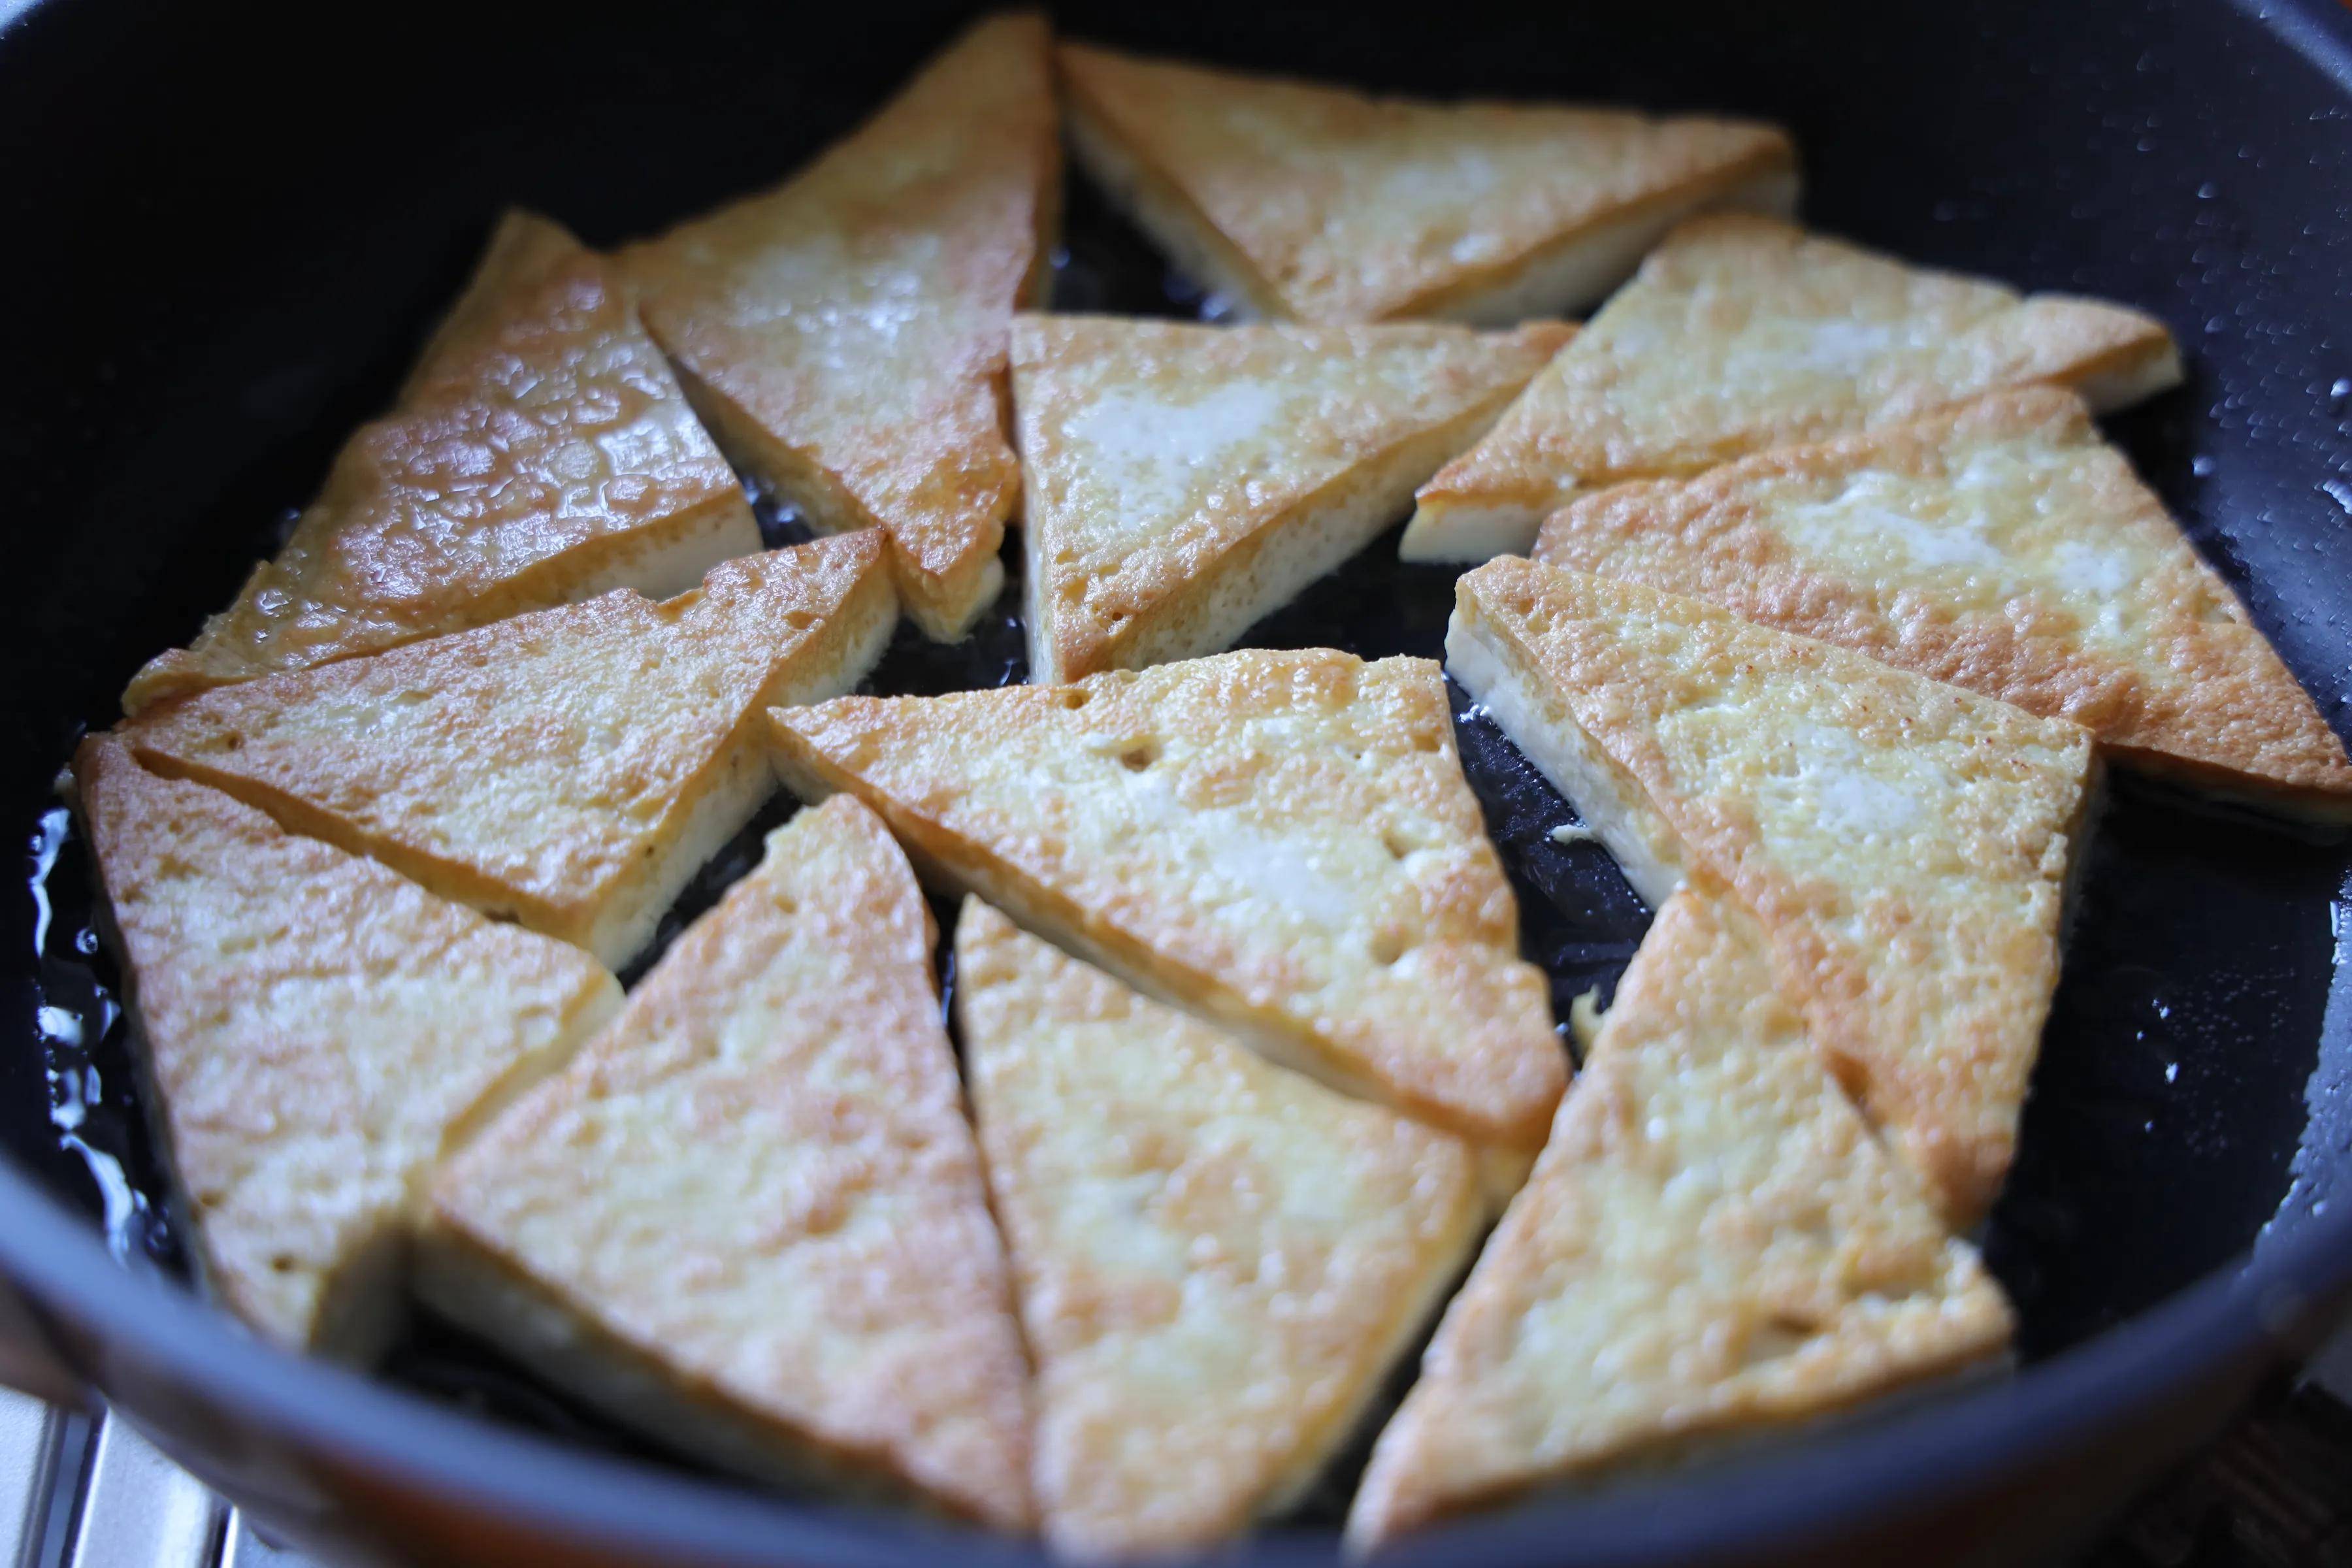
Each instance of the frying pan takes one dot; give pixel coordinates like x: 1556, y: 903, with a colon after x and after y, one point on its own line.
x: 223, y: 228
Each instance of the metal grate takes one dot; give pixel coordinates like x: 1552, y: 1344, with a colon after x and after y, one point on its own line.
x: 80, y: 1491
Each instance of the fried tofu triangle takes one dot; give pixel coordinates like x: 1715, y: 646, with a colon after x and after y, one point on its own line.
x: 2000, y: 546
x: 569, y: 768
x: 1183, y: 481
x: 1741, y: 333
x: 844, y: 333
x: 1322, y: 204
x: 1282, y: 842
x: 316, y: 1032
x: 541, y: 453
x: 1219, y: 1261
x: 1712, y: 1243
x: 1907, y: 844
x: 750, y: 1217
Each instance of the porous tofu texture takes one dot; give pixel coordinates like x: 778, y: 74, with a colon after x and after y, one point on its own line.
x: 1712, y: 1243
x: 1741, y: 333
x: 541, y: 453
x: 316, y: 1032
x: 2000, y: 546
x: 569, y: 768
x: 750, y: 1217
x: 1283, y: 842
x: 1183, y: 481
x: 1322, y: 203
x: 1219, y: 1260
x: 1906, y: 843
x: 843, y: 334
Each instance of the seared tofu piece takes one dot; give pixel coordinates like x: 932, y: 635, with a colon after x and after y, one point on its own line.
x: 568, y: 769
x: 315, y: 1031
x: 1907, y: 844
x: 750, y: 1217
x: 843, y: 334
x: 1713, y: 1246
x: 1219, y: 1261
x: 1281, y: 842
x: 1183, y: 481
x: 1302, y: 201
x: 1741, y: 333
x: 2000, y: 546
x: 541, y: 453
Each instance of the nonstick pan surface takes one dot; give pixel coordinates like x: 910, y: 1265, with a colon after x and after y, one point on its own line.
x: 222, y: 230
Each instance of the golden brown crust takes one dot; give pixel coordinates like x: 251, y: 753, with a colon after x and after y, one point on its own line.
x: 1906, y: 843
x: 844, y: 333
x: 2000, y: 546
x: 1284, y: 841
x: 1184, y: 481
x: 541, y: 450
x: 1344, y: 208
x: 316, y: 1030
x: 1743, y: 333
x: 760, y: 1182
x: 547, y: 767
x: 1218, y: 1262
x: 1712, y: 1243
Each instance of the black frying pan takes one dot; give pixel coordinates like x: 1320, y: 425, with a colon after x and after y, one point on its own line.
x: 223, y: 227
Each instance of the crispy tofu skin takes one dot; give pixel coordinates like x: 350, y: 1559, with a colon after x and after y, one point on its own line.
x: 750, y: 1217
x: 1906, y: 843
x: 1712, y: 1245
x: 315, y: 1032
x: 1325, y: 204
x: 843, y: 334
x: 2000, y: 546
x: 1741, y: 333
x: 1283, y: 842
x: 1183, y: 481
x: 569, y: 768
x: 541, y: 453
x: 1219, y: 1260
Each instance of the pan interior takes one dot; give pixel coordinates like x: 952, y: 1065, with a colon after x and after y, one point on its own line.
x: 165, y: 427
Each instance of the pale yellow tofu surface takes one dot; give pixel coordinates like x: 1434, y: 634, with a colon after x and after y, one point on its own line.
x: 750, y: 1217
x: 1219, y: 1260
x: 1906, y: 843
x: 1712, y: 1245
x: 2000, y: 546
x: 1323, y: 203
x: 1741, y: 333
x: 1280, y: 841
x: 540, y: 453
x: 1183, y: 481
x: 568, y: 769
x: 314, y: 1031
x: 843, y: 334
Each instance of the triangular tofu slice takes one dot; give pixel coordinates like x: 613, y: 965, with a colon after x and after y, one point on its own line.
x: 1712, y: 1245
x: 1182, y: 482
x: 843, y: 334
x: 569, y: 768
x: 1281, y: 841
x: 1906, y: 843
x: 2000, y: 546
x: 1322, y: 203
x: 1218, y: 1262
x: 316, y: 1030
x: 541, y: 453
x: 1741, y: 333
x: 750, y: 1217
